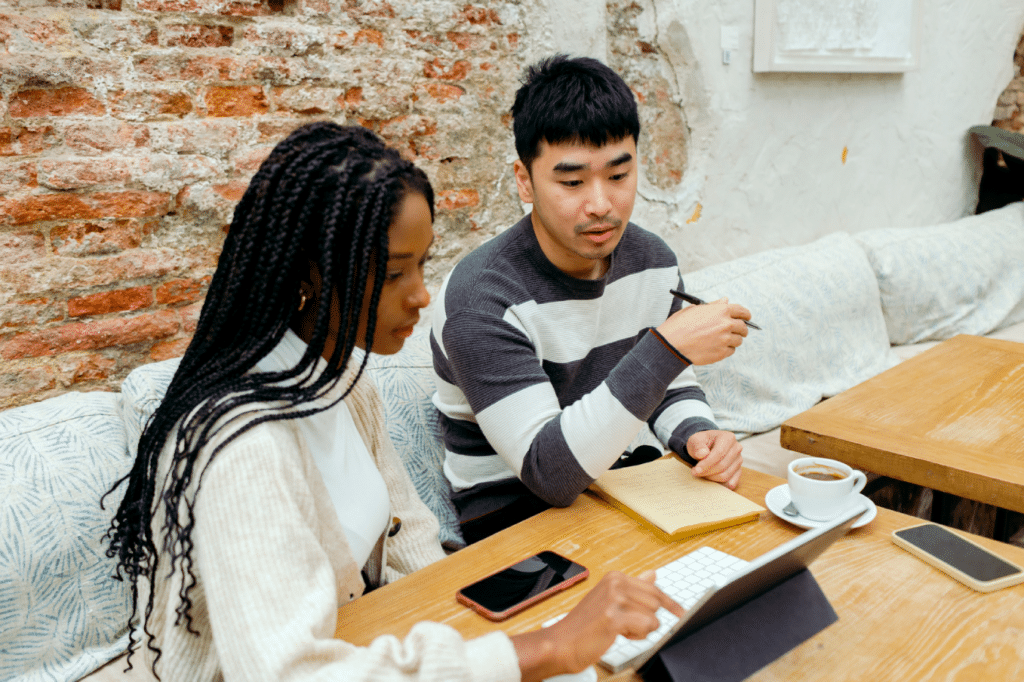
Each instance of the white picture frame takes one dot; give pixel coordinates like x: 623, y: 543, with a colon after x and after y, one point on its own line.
x: 837, y: 36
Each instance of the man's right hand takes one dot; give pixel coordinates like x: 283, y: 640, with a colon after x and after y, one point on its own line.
x: 706, y: 333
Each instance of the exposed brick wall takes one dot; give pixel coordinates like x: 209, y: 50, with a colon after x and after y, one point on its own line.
x: 129, y: 129
x: 1009, y: 112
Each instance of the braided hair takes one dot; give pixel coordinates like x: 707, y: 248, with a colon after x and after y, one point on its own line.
x: 321, y: 202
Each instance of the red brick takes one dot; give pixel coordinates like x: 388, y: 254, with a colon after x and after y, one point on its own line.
x: 206, y: 137
x: 32, y: 32
x: 313, y: 7
x: 172, y: 348
x: 114, y: 35
x: 77, y: 368
x: 452, y: 199
x: 104, y: 302
x: 444, y: 92
x: 270, y: 70
x: 195, y: 6
x: 59, y: 102
x: 80, y: 173
x: 367, y: 35
x: 236, y: 101
x: 129, y: 204
x: 307, y: 100
x: 466, y: 41
x: 55, y: 273
x: 21, y: 141
x: 248, y: 161
x: 198, y: 35
x: 17, y: 177
x: 29, y: 381
x: 296, y: 40
x: 275, y: 131
x: 406, y: 126
x: 352, y: 97
x: 21, y: 246
x: 182, y: 291
x: 105, y: 136
x: 375, y: 8
x: 480, y: 15
x: 190, y: 316
x: 183, y: 67
x: 96, y: 238
x: 242, y: 8
x: 232, y: 191
x: 76, y: 336
x: 30, y: 313
x: 148, y: 104
x: 456, y: 72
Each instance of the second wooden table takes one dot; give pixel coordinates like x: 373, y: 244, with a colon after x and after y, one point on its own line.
x: 951, y: 419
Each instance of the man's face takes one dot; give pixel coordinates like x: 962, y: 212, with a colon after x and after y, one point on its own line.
x: 582, y: 198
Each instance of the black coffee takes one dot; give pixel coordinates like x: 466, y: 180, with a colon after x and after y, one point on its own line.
x: 823, y: 475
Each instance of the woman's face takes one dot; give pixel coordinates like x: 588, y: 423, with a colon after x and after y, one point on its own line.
x: 404, y: 292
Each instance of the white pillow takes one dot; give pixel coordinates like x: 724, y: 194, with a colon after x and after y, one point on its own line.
x: 964, y: 277
x: 823, y: 331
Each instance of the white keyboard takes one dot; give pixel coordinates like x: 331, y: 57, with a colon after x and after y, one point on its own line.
x: 685, y: 580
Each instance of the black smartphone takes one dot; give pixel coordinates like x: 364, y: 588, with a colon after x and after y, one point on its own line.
x: 520, y: 585
x: 960, y: 558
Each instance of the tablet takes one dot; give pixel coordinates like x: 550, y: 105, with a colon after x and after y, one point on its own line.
x: 761, y: 575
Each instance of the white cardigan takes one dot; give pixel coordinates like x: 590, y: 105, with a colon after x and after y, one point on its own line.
x: 272, y: 566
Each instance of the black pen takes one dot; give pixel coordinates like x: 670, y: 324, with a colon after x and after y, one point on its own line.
x: 690, y: 298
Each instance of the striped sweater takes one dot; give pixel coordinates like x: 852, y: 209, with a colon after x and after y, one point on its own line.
x: 549, y: 378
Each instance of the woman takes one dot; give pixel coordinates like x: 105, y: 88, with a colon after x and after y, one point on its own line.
x: 266, y: 492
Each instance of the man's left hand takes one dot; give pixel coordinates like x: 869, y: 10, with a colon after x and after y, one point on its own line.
x: 718, y: 455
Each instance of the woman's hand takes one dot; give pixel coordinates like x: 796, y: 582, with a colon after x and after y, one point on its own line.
x: 618, y: 605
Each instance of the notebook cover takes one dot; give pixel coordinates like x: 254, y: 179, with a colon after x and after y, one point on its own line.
x: 748, y: 638
x: 665, y: 496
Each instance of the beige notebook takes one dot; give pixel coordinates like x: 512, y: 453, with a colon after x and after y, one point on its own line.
x: 664, y: 494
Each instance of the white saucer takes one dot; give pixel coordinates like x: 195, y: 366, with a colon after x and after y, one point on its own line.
x: 588, y: 675
x: 778, y: 497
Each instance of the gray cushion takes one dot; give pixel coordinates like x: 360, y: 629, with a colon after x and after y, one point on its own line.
x: 964, y: 277
x: 823, y: 331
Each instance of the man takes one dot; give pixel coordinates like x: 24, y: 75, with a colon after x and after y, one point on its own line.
x: 556, y: 341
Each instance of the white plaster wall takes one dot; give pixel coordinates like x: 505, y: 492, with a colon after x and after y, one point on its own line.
x: 766, y: 152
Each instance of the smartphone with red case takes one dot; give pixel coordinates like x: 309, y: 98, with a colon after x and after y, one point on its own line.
x: 514, y: 588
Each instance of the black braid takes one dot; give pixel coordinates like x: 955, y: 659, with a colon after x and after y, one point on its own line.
x: 325, y: 195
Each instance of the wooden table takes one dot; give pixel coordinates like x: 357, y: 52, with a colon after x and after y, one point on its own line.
x: 899, y: 619
x: 951, y: 419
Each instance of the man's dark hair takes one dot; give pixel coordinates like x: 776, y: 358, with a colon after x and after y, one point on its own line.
x: 325, y: 196
x: 566, y: 99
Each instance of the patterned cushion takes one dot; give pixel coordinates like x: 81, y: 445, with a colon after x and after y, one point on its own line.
x: 963, y: 277
x: 62, y: 614
x: 406, y: 383
x: 823, y: 331
x: 141, y: 393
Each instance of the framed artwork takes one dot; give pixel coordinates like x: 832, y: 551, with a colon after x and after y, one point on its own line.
x: 837, y: 36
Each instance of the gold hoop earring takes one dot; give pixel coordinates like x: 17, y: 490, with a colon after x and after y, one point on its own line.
x: 302, y: 299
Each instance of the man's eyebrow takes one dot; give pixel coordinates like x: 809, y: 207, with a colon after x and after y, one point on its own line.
x: 570, y: 166
x: 574, y: 166
x: 622, y: 158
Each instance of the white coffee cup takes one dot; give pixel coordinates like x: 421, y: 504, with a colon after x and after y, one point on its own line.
x: 823, y: 488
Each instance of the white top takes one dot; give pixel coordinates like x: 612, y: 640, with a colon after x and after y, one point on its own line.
x: 355, y: 485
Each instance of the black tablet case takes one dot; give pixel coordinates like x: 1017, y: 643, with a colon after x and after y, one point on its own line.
x: 747, y: 638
